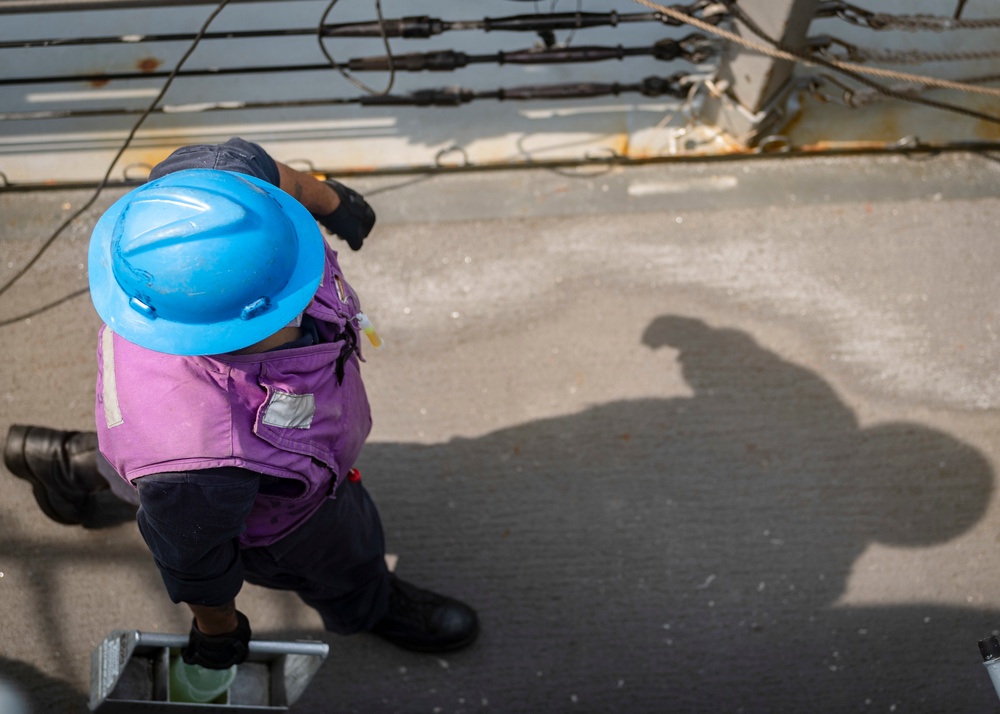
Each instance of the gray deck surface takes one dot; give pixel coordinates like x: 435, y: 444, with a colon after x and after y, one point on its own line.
x: 693, y: 437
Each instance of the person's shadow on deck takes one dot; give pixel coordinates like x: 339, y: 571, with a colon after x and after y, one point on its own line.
x: 674, y: 555
x: 692, y: 554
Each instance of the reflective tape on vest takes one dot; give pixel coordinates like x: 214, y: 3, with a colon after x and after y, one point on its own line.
x: 112, y: 412
x: 290, y: 411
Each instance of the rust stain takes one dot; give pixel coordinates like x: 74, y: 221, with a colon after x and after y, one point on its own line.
x: 98, y: 83
x: 822, y: 127
x: 984, y: 129
x: 148, y: 64
x: 620, y: 144
x: 822, y: 146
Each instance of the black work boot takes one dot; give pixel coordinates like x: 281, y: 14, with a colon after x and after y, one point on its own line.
x: 61, y: 467
x: 426, y: 622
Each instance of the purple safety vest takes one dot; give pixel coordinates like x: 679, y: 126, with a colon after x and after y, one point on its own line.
x: 299, y: 413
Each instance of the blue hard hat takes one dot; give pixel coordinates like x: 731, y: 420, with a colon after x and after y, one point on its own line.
x: 203, y: 262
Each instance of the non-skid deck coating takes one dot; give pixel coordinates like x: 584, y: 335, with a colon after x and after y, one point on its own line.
x: 707, y: 437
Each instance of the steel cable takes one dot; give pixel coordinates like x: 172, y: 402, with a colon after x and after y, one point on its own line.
x: 347, y: 75
x: 862, y: 54
x: 695, y: 48
x: 789, y: 55
x: 104, y: 181
x: 881, y: 21
x: 882, y: 89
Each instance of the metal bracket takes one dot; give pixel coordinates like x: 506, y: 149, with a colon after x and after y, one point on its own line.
x: 129, y: 672
x: 746, y: 127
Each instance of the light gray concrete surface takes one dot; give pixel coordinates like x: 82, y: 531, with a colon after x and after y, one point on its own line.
x: 694, y: 437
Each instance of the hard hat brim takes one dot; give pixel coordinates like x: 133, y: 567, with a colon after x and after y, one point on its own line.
x: 182, y: 338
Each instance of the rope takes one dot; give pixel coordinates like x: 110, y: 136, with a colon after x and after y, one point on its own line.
x: 807, y: 59
x: 855, y: 98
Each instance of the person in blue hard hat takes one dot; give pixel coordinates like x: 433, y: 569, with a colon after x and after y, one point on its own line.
x: 230, y: 405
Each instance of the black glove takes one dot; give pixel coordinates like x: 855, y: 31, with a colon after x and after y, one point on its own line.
x: 353, y: 219
x: 218, y: 651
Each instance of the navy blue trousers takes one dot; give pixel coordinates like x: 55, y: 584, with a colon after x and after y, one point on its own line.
x: 335, y: 562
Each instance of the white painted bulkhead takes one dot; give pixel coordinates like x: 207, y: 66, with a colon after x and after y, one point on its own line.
x: 339, y: 137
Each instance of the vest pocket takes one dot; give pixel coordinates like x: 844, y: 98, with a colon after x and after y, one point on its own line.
x: 308, y: 410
